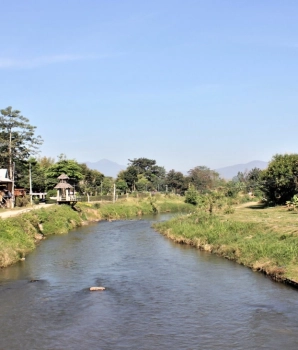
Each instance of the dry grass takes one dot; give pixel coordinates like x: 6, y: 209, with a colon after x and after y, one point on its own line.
x: 278, y: 219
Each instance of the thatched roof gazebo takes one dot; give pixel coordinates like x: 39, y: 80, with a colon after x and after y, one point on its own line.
x: 63, y: 191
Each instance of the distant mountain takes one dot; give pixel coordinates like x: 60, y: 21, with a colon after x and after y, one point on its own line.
x: 230, y: 171
x: 106, y: 167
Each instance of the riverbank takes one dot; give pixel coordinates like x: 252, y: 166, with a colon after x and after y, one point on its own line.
x: 20, y: 234
x: 264, y: 239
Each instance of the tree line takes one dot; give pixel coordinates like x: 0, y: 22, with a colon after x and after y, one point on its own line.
x: 19, y: 152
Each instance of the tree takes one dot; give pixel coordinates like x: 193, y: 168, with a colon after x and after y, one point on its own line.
x: 148, y: 169
x: 142, y: 183
x: 107, y: 185
x: 176, y: 181
x: 46, y: 162
x: 130, y: 176
x: 192, y: 196
x: 70, y: 167
x: 203, y: 178
x: 17, y: 138
x: 38, y: 177
x: 121, y: 186
x: 91, y: 181
x: 279, y: 180
x: 254, y: 179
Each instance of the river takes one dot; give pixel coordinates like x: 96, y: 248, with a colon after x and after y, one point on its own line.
x: 159, y: 295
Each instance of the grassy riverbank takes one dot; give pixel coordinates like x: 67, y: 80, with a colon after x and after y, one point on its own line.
x: 19, y: 234
x: 264, y: 239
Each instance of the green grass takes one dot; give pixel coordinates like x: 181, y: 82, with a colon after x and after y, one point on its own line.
x: 265, y: 240
x: 19, y: 234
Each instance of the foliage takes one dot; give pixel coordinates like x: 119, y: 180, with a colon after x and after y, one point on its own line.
x: 38, y: 176
x: 107, y: 185
x: 142, y: 184
x: 249, y: 181
x: 130, y: 176
x: 147, y: 169
x: 92, y: 180
x: 192, y: 196
x: 279, y: 180
x: 70, y: 167
x: 17, y: 138
x: 22, y: 201
x: 121, y: 186
x: 203, y: 178
x: 176, y: 181
x: 293, y: 203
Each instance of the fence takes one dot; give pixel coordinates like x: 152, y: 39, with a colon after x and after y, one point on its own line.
x: 109, y: 198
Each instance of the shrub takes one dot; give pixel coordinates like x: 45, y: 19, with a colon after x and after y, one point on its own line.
x: 22, y: 201
x: 192, y: 196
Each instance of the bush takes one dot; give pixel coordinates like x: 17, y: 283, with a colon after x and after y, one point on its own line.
x: 51, y: 193
x: 22, y: 201
x: 192, y: 196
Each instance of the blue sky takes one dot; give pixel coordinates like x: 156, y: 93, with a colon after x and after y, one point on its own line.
x: 210, y: 82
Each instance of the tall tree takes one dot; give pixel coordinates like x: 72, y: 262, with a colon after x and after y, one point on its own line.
x: 70, y: 167
x: 176, y: 181
x: 148, y: 169
x: 130, y: 176
x: 91, y: 181
x: 279, y: 180
x: 203, y: 178
x: 17, y: 138
x: 38, y: 177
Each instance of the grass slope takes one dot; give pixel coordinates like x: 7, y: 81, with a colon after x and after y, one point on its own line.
x: 264, y: 239
x: 19, y: 235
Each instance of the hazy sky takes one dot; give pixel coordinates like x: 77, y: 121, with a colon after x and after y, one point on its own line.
x: 192, y: 82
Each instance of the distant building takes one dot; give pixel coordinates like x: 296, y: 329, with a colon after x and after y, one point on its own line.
x: 5, y: 181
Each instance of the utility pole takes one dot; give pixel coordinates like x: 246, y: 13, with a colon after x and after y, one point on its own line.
x: 101, y: 191
x: 30, y: 183
x: 12, y: 190
x: 114, y: 194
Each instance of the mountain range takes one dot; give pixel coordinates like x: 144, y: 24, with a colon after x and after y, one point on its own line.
x: 230, y: 171
x: 110, y: 168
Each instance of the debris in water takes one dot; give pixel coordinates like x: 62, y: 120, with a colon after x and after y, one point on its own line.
x: 97, y: 288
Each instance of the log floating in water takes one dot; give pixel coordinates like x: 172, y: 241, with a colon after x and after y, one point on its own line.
x: 97, y: 288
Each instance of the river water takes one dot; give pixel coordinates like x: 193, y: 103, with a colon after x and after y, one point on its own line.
x: 159, y: 295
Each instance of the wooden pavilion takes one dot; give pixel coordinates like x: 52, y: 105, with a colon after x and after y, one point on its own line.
x: 64, y: 193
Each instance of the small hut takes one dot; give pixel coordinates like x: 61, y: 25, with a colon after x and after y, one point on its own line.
x: 64, y: 195
x: 5, y: 181
x: 5, y: 184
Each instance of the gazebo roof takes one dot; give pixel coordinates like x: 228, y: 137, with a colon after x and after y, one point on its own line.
x: 63, y: 185
x: 63, y: 177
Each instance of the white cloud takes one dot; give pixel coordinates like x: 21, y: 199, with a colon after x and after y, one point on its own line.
x: 12, y: 63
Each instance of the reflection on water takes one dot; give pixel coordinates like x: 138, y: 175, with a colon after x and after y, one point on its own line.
x: 159, y: 295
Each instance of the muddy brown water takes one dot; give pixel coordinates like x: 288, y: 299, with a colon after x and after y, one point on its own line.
x: 159, y: 295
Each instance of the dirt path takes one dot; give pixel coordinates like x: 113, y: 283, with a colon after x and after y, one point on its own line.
x: 9, y: 213
x: 248, y: 204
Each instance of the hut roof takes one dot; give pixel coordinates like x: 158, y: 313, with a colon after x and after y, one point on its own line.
x: 63, y: 185
x: 63, y: 177
x: 4, y: 176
